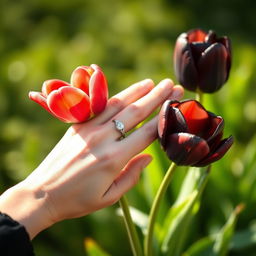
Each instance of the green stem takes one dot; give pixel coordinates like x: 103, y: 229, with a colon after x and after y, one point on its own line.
x: 199, y: 96
x: 131, y: 230
x: 154, y: 209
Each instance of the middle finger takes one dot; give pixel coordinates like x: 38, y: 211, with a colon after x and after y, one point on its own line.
x: 123, y: 99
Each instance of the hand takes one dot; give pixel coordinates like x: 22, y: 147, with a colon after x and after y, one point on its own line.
x: 90, y: 168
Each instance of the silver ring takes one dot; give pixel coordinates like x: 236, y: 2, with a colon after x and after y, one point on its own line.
x: 119, y: 127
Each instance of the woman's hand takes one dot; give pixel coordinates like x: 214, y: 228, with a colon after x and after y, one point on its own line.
x: 91, y: 168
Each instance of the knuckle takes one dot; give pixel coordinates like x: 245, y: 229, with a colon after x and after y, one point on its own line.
x: 93, y: 138
x: 136, y: 111
x: 109, y: 160
x: 116, y: 104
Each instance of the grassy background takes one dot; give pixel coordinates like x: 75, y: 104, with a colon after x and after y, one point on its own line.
x: 131, y: 40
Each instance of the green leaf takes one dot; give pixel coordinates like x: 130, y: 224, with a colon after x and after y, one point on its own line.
x: 224, y: 237
x: 202, y: 247
x: 190, y: 182
x: 138, y: 217
x: 141, y: 220
x: 153, y: 177
x: 247, y: 184
x: 181, y: 213
x: 173, y: 239
x: 174, y: 212
x: 93, y: 249
x: 218, y: 244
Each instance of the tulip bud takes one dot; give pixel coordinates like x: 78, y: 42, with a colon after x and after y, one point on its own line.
x: 190, y: 135
x: 202, y: 60
x: 87, y: 95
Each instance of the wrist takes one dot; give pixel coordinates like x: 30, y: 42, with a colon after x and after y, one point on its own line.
x: 26, y: 205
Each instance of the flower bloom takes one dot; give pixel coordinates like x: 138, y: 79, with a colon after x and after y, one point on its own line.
x: 190, y: 135
x: 86, y: 95
x: 202, y: 60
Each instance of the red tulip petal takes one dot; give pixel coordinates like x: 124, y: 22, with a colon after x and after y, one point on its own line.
x: 212, y: 68
x: 51, y: 85
x: 219, y: 152
x: 184, y: 65
x: 95, y: 67
x: 196, y: 35
x: 39, y: 98
x: 98, y: 91
x: 186, y: 149
x: 170, y: 121
x: 69, y: 104
x: 80, y: 78
x: 197, y: 118
x: 174, y: 103
x: 215, y: 131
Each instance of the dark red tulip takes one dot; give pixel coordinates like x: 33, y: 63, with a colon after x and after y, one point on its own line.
x: 202, y: 60
x: 190, y: 135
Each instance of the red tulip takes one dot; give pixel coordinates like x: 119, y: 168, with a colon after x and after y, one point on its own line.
x: 87, y: 95
x: 202, y: 60
x: 190, y: 135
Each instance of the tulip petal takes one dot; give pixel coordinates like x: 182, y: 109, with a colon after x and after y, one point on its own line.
x: 170, y: 121
x: 212, y: 68
x: 186, y: 149
x: 184, y: 65
x: 216, y: 129
x: 39, y: 98
x: 69, y: 104
x: 196, y: 35
x: 95, y: 67
x: 51, y: 85
x: 211, y: 37
x: 227, y: 43
x: 197, y: 49
x: 174, y: 103
x: 197, y: 118
x: 80, y: 78
x: 98, y: 91
x: 219, y: 152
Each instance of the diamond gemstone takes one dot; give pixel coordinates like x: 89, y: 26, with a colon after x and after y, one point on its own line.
x: 119, y: 125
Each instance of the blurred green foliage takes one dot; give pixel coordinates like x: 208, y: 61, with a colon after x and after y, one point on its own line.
x: 130, y: 40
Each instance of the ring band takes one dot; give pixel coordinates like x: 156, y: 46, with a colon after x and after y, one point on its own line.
x: 119, y: 127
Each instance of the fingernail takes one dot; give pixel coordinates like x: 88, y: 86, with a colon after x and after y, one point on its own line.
x: 177, y: 94
x: 147, y: 82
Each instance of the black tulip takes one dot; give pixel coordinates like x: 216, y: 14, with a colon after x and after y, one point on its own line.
x: 190, y: 135
x: 202, y: 60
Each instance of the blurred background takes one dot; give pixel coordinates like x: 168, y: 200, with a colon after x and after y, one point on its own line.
x: 130, y: 40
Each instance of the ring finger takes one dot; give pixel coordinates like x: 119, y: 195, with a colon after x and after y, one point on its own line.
x: 141, y: 109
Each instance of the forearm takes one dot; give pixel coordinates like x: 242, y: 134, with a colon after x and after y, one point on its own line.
x: 26, y: 206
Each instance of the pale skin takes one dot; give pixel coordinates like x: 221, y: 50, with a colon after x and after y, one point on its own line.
x: 90, y: 168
